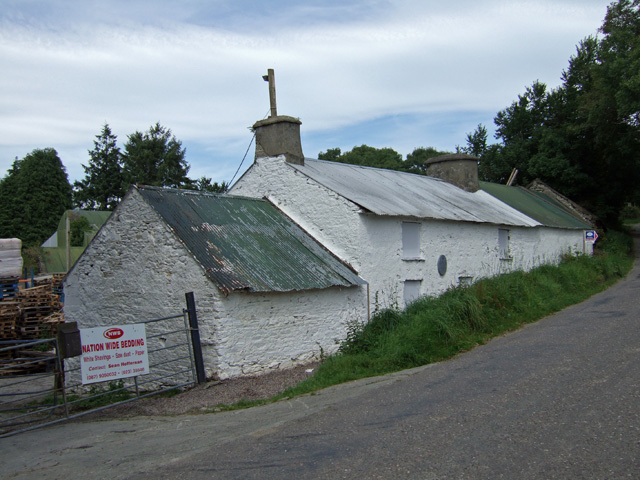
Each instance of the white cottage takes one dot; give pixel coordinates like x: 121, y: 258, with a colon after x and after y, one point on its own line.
x: 268, y: 295
x: 408, y: 235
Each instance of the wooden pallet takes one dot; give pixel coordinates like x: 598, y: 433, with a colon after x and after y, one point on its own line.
x: 9, y: 318
x: 28, y: 316
x: 23, y: 363
x: 7, y: 329
x: 8, y: 290
x: 9, y: 308
x: 31, y: 332
x: 52, y: 321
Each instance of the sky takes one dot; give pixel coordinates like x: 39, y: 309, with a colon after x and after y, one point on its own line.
x: 386, y: 73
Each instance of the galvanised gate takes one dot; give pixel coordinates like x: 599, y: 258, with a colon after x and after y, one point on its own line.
x: 40, y: 389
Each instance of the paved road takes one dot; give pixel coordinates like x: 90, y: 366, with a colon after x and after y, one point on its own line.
x: 556, y: 399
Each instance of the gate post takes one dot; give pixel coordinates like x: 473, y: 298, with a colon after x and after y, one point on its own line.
x: 195, y: 337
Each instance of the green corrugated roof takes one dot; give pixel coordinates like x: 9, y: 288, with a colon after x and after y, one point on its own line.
x: 536, y: 205
x: 247, y: 244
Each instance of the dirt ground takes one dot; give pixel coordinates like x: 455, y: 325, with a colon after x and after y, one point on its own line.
x: 207, y: 396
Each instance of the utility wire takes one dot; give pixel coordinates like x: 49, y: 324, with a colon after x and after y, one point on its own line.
x: 243, y: 158
x: 245, y: 155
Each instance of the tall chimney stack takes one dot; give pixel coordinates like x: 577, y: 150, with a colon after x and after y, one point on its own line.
x: 278, y: 134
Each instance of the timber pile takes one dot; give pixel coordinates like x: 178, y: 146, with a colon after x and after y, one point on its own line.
x: 36, y: 304
x: 8, y: 288
x: 31, y: 314
x: 9, y: 315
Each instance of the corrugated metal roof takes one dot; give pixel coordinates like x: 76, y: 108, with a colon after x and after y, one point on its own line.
x: 247, y: 244
x: 389, y: 192
x: 536, y: 205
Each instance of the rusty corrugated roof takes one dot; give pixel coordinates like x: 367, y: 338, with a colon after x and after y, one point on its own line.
x: 247, y: 244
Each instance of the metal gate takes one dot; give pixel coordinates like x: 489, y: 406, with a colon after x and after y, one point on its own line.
x: 39, y: 388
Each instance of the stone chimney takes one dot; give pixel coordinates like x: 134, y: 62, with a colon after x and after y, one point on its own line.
x: 278, y: 134
x: 458, y: 169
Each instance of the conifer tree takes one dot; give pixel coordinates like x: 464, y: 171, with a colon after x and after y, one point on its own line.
x: 34, y: 195
x: 102, y: 187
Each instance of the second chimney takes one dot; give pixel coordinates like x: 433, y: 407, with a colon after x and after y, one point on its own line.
x: 459, y: 169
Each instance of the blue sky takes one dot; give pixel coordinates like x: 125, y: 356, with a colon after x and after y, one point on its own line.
x: 399, y: 74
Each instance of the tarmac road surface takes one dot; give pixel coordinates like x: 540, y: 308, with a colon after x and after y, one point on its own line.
x: 558, y: 399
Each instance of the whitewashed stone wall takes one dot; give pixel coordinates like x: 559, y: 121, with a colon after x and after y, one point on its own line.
x: 263, y: 332
x: 136, y: 269
x: 327, y: 216
x: 373, y: 244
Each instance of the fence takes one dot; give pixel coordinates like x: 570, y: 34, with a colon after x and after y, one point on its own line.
x: 38, y: 387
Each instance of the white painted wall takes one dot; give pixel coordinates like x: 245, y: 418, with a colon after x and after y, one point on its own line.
x: 373, y: 244
x: 263, y: 332
x: 137, y: 269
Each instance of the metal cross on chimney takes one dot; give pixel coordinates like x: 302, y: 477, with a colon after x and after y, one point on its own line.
x: 271, y: 78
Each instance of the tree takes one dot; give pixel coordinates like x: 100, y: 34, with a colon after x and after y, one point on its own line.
x: 78, y: 226
x: 366, y: 156
x: 476, y: 141
x: 203, y: 184
x: 103, y: 185
x: 34, y: 195
x: 582, y: 138
x: 384, y: 158
x: 415, y: 162
x: 155, y: 158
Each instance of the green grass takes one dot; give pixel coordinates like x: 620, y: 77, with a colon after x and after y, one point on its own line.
x: 434, y: 329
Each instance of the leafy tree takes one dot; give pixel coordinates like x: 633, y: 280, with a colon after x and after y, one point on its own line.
x: 155, y: 158
x: 34, y: 195
x: 366, y: 156
x: 103, y: 185
x: 332, y: 155
x: 78, y: 226
x: 415, y: 162
x: 476, y: 141
x: 383, y: 158
x: 204, y: 185
x: 582, y: 138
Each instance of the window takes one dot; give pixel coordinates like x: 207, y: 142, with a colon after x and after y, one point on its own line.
x: 411, y: 290
x: 503, y: 244
x: 410, y: 240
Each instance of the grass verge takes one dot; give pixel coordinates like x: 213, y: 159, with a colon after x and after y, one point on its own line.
x: 436, y: 328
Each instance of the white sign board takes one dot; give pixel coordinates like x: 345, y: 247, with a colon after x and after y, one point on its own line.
x: 111, y: 353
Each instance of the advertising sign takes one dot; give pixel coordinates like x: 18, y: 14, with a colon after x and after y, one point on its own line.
x: 590, y: 235
x: 111, y: 353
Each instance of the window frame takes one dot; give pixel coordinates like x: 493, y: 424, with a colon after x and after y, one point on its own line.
x: 412, y: 283
x: 504, y: 244
x: 411, y: 244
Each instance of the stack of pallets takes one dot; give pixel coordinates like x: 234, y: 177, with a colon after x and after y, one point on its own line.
x: 36, y: 305
x: 8, y: 288
x: 31, y: 314
x: 9, y: 317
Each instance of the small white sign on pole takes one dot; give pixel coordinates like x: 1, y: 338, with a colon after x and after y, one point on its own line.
x: 111, y: 353
x: 590, y: 235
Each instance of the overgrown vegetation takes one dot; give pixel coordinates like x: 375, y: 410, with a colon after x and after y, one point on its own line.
x: 630, y: 215
x: 434, y: 329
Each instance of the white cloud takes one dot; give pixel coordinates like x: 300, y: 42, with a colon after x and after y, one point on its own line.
x: 197, y: 69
